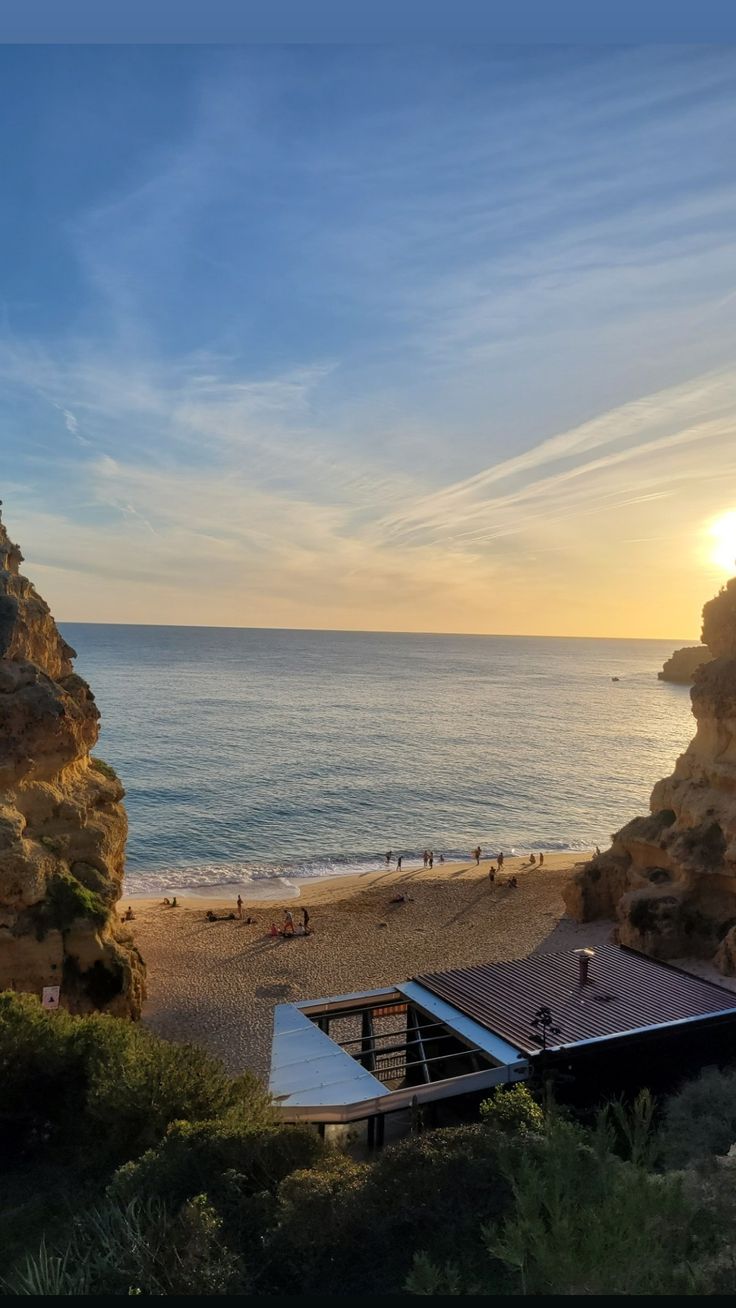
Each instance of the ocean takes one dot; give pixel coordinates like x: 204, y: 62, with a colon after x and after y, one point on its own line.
x: 258, y: 758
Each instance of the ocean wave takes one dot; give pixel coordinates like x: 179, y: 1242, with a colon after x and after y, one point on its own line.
x: 263, y: 880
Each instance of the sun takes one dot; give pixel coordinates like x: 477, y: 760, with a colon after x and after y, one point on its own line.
x: 722, y: 532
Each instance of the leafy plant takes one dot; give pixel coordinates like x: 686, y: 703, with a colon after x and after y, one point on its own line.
x: 512, y: 1109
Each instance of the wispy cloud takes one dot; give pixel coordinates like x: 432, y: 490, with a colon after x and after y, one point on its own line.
x: 435, y: 342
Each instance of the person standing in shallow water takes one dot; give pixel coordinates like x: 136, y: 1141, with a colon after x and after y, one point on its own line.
x: 399, y: 862
x: 389, y: 856
x: 426, y: 857
x: 431, y: 858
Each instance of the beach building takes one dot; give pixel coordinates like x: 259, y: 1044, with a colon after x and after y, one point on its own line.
x: 598, y: 1020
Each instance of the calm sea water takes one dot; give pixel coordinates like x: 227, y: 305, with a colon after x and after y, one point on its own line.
x: 249, y: 755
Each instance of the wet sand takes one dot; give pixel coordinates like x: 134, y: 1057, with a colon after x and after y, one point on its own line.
x: 216, y: 983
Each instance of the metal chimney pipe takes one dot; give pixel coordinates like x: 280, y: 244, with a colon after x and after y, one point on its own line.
x: 584, y: 957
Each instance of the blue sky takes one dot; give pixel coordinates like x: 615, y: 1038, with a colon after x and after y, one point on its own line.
x: 387, y: 338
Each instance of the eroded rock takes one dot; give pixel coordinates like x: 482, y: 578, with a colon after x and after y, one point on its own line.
x: 62, y: 822
x: 681, y: 666
x: 669, y: 878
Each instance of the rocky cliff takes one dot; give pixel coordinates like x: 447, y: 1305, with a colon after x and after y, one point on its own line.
x: 669, y: 878
x: 684, y: 663
x: 62, y: 822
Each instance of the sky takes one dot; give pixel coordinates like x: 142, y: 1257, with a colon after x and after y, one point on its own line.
x: 410, y: 339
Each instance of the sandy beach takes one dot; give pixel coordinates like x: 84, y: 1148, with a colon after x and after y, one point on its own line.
x: 216, y: 983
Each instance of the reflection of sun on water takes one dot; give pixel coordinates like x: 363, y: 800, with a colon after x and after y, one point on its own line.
x: 722, y: 533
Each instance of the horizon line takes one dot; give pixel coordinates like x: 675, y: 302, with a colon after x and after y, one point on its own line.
x: 364, y: 631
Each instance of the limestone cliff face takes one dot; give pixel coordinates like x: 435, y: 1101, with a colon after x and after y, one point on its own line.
x: 684, y: 663
x: 62, y: 823
x: 670, y: 878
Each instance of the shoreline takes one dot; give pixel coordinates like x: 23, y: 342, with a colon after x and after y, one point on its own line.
x: 288, y: 886
x: 313, y: 890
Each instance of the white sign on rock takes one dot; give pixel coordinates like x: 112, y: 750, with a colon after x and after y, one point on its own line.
x: 50, y: 997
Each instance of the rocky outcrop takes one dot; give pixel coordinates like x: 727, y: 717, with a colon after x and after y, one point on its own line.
x: 684, y: 663
x: 669, y: 879
x: 62, y: 823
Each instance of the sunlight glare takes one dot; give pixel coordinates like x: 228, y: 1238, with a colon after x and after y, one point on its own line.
x: 723, y: 535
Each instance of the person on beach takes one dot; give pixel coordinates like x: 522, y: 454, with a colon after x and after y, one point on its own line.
x: 532, y: 859
x: 128, y: 915
x: 541, y: 860
x: 305, y: 921
x: 492, y: 874
x: 288, y: 929
x: 512, y: 882
x: 273, y: 929
x: 240, y: 907
x: 597, y: 852
x: 476, y: 855
x: 398, y: 862
x: 442, y: 858
x: 426, y: 857
x: 389, y: 856
x: 431, y: 858
x: 499, y: 860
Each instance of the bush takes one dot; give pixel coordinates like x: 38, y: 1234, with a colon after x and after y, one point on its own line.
x: 66, y: 901
x: 512, y: 1109
x: 585, y: 1222
x: 100, y: 765
x: 353, y: 1228
x: 700, y: 1120
x: 102, y: 1089
x: 139, y: 1248
x: 579, y: 1221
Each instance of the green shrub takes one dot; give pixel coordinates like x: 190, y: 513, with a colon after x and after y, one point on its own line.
x: 700, y: 1120
x: 100, y: 765
x: 66, y: 901
x: 139, y: 1248
x: 512, y: 1109
x: 585, y: 1222
x: 103, y: 1089
x: 353, y: 1228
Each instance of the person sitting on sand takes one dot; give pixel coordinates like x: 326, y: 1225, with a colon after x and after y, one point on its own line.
x: 492, y: 874
x: 128, y: 915
x: 250, y: 921
x: 401, y: 899
x: 532, y: 859
x: 512, y: 882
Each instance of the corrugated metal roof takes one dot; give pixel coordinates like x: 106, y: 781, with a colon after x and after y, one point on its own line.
x: 626, y: 993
